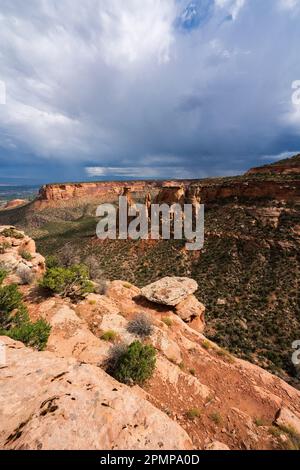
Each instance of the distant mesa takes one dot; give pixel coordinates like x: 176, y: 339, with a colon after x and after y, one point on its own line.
x: 15, y: 203
x: 288, y: 166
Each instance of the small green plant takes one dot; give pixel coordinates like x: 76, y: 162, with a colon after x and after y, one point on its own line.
x: 25, y: 255
x: 109, y: 335
x: 133, y: 364
x: 70, y: 282
x: 167, y: 321
x: 206, y: 344
x: 192, y: 372
x: 12, y: 233
x: 274, y: 431
x: 193, y: 413
x: 52, y: 262
x: 259, y: 422
x: 3, y: 275
x: 127, y: 285
x: 141, y: 325
x: 225, y: 355
x: 216, y: 418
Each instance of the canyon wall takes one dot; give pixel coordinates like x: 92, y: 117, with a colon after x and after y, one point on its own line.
x: 58, y: 192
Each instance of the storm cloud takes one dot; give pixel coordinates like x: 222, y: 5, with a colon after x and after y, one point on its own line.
x: 158, y: 88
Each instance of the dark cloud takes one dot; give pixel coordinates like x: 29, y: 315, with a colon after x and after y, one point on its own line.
x: 116, y: 86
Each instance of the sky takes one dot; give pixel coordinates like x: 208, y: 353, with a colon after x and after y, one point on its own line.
x: 122, y: 89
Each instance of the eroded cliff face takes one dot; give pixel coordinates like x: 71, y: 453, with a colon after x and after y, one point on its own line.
x: 58, y: 192
x: 173, y: 192
x: 199, y: 397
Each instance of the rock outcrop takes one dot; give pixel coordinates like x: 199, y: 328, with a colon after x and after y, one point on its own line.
x: 19, y: 257
x: 170, y: 290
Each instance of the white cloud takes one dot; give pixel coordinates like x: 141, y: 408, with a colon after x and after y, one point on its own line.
x: 115, y: 84
x: 131, y: 33
x: 143, y: 172
x: 288, y: 4
x: 233, y: 7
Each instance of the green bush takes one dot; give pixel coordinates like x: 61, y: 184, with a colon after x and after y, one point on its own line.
x: 68, y: 282
x: 15, y: 321
x: 134, y: 364
x: 10, y: 299
x: 3, y: 275
x: 141, y: 325
x: 25, y: 255
x: 12, y: 233
x: 34, y: 335
x: 52, y: 262
x: 193, y: 413
x: 109, y: 335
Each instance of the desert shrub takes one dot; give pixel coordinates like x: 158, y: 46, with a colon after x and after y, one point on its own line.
x: 34, y: 335
x: 52, y: 261
x: 68, y: 282
x: 141, y: 325
x: 3, y: 275
x: 133, y: 364
x: 10, y: 299
x: 26, y: 275
x: 167, y: 321
x: 193, y: 413
x: 216, y: 418
x: 12, y: 233
x: 109, y: 335
x: 15, y: 321
x: 206, y: 344
x: 115, y: 354
x: 259, y: 422
x: 25, y: 255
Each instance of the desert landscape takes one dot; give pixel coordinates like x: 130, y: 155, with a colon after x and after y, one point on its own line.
x: 149, y: 232
x: 213, y: 320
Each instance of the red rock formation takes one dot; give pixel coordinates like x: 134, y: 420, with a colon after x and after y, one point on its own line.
x: 15, y: 203
x: 57, y: 192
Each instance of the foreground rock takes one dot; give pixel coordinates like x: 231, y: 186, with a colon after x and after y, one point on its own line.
x: 52, y: 403
x: 170, y: 290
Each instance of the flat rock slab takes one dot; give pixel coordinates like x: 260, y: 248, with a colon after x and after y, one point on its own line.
x: 170, y: 290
